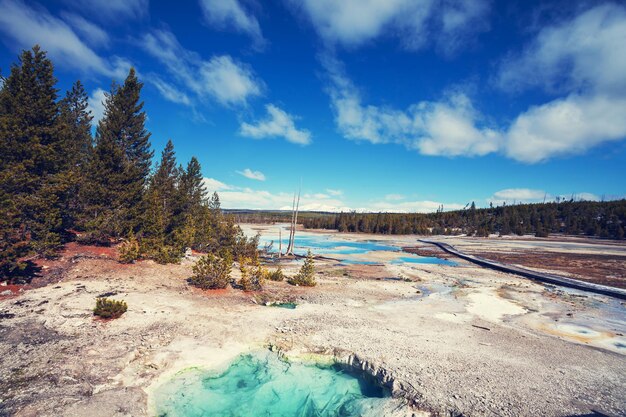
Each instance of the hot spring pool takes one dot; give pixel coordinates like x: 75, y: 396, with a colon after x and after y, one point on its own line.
x: 261, y: 384
x: 348, y: 252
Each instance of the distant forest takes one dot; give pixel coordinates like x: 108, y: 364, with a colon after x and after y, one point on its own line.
x: 579, y: 218
x: 58, y: 182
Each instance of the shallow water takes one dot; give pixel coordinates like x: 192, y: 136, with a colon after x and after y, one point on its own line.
x: 349, y: 251
x: 261, y: 384
x: 287, y: 305
x: 423, y: 260
x: 325, y: 246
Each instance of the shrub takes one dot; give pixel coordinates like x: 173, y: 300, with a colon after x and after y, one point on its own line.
x: 98, y: 238
x: 306, y: 276
x: 129, y: 249
x: 211, y: 272
x: 109, y: 309
x: 244, y: 281
x: 252, y: 275
x: 276, y: 275
x: 166, y: 254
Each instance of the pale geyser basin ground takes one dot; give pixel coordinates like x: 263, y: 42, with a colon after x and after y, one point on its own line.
x: 471, y: 340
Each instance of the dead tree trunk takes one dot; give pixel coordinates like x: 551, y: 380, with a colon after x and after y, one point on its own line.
x: 293, y: 213
x: 294, y: 220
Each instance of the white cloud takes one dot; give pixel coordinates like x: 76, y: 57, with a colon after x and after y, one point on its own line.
x: 233, y: 197
x: 583, y: 56
x: 27, y: 26
x: 230, y: 14
x: 394, y: 197
x: 352, y: 23
x: 586, y: 57
x: 246, y: 198
x: 168, y: 91
x: 277, y: 124
x: 519, y: 195
x: 220, y: 78
x: 586, y: 52
x: 213, y: 185
x: 253, y: 175
x: 452, y: 127
x: 90, y: 31
x: 111, y: 10
x: 587, y: 197
x: 424, y: 206
x: 334, y: 192
x: 527, y: 195
x: 96, y: 104
x: 565, y: 127
x: 228, y: 81
x: 448, y: 127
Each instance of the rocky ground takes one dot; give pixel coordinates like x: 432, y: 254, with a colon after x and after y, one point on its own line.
x: 453, y: 340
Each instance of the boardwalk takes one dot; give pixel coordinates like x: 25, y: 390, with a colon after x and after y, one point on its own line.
x: 534, y: 275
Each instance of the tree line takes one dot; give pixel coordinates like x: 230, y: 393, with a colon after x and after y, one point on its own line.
x: 59, y: 182
x: 584, y: 218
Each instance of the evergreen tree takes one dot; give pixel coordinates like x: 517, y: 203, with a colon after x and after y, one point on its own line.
x: 31, y: 146
x: 120, y: 166
x: 306, y: 276
x: 192, y: 197
x: 193, y: 191
x: 104, y: 210
x: 78, y: 146
x: 161, y: 235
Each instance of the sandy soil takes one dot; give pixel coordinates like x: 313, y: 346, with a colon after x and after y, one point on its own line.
x: 456, y: 339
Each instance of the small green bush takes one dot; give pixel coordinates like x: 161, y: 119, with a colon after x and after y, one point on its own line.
x: 306, y: 276
x: 129, y: 250
x: 252, y: 275
x: 167, y: 254
x: 109, y: 309
x: 211, y: 272
x: 276, y: 275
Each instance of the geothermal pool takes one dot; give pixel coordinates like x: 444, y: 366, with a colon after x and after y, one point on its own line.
x: 262, y: 384
x: 347, y: 251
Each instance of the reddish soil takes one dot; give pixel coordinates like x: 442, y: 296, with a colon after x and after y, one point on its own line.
x: 13, y: 289
x: 50, y: 271
x: 600, y: 269
x: 428, y: 251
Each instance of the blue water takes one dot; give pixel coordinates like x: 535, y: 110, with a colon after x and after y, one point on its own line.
x: 287, y: 305
x: 325, y: 246
x: 423, y: 260
x: 261, y: 384
x: 358, y: 262
x: 349, y: 252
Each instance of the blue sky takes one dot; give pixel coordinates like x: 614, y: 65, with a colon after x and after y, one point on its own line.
x: 383, y: 105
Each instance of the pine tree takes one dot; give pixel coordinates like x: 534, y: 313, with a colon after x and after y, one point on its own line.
x: 104, y: 210
x: 78, y: 146
x: 31, y: 146
x: 211, y: 272
x: 306, y: 276
x: 193, y: 191
x: 192, y: 196
x: 120, y: 166
x: 163, y: 205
